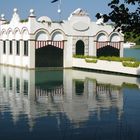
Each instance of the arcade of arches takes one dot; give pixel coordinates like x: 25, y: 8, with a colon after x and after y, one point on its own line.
x: 50, y: 55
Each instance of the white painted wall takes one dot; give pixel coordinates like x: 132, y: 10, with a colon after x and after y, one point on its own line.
x: 57, y: 36
x: 106, y: 66
x: 102, y: 37
x: 87, y: 30
x: 41, y: 36
x: 115, y: 38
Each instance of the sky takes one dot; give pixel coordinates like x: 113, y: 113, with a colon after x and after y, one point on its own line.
x: 46, y: 8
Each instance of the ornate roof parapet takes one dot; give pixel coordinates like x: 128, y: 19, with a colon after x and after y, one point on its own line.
x: 80, y: 12
x: 15, y: 17
x: 80, y: 20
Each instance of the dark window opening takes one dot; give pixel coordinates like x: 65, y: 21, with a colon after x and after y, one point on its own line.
x: 11, y: 47
x: 26, y: 48
x: 17, y: 47
x: 80, y: 47
x: 4, y: 47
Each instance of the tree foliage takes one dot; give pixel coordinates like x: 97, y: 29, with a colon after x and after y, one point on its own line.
x: 125, y: 19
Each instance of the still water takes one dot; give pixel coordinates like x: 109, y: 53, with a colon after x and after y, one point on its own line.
x: 132, y: 52
x: 68, y: 105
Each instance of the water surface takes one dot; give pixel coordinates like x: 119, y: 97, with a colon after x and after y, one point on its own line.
x: 68, y: 105
x: 132, y: 52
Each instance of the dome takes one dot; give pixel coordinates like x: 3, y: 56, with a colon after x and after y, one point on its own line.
x: 44, y: 19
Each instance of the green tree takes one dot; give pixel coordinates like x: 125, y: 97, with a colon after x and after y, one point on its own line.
x: 123, y: 17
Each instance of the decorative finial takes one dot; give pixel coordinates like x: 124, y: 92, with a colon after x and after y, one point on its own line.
x: 59, y: 11
x: 15, y: 10
x: 2, y: 17
x: 32, y: 13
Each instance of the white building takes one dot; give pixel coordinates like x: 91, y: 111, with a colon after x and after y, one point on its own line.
x: 42, y: 42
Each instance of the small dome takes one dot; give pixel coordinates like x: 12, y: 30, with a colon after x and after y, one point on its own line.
x: 44, y: 19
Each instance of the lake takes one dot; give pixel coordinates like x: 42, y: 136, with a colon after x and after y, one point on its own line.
x: 68, y: 105
x: 132, y: 52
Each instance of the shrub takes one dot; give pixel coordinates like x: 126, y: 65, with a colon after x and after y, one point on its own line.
x: 129, y: 85
x: 126, y: 61
x: 118, y: 59
x: 87, y: 56
x: 133, y: 64
x: 90, y: 60
x: 79, y: 56
x: 24, y: 20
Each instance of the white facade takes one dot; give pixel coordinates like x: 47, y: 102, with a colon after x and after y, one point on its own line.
x: 23, y: 36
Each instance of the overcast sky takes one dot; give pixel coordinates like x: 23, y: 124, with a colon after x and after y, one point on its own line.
x: 46, y: 8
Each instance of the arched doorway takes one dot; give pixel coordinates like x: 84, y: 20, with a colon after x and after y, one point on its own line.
x: 108, y: 50
x: 49, y: 56
x: 105, y: 47
x: 80, y: 47
x: 49, y: 53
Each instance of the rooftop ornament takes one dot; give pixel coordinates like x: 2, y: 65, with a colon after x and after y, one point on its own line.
x: 15, y: 17
x: 2, y: 17
x: 32, y: 13
x: 15, y: 10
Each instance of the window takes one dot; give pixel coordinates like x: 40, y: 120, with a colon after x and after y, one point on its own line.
x: 80, y: 47
x: 4, y: 47
x: 26, y: 48
x: 18, y: 47
x: 11, y: 47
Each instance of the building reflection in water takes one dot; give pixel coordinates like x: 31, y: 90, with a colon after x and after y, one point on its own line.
x: 77, y: 94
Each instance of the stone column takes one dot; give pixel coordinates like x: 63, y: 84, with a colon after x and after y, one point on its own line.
x: 31, y: 42
x: 1, y: 50
x: 86, y: 43
x: 121, y: 49
x: 21, y: 44
x: 67, y: 53
x: 31, y: 53
x: 94, y: 48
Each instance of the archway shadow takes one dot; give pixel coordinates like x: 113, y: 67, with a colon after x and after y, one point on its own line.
x: 108, y: 51
x: 49, y: 56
